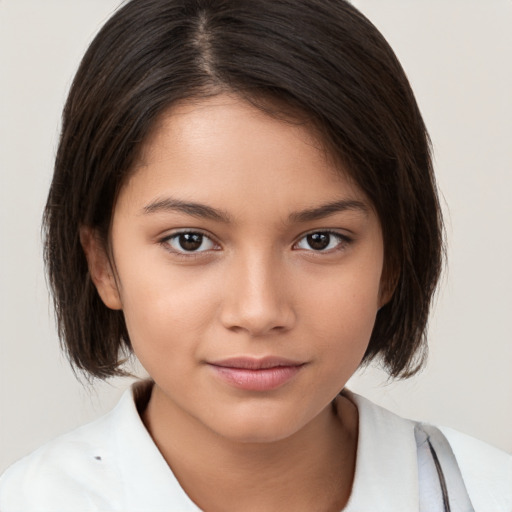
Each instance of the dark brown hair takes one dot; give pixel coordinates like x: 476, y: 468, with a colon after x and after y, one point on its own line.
x: 319, y: 57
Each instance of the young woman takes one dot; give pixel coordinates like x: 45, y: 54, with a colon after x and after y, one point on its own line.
x: 243, y: 196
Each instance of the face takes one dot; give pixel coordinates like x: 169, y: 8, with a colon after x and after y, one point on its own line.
x: 248, y: 269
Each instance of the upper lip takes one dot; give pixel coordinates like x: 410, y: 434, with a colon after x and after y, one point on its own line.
x: 255, y: 363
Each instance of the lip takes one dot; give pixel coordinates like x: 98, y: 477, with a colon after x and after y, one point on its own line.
x: 256, y: 374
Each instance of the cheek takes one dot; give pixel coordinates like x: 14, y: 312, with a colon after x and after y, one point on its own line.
x: 165, y: 310
x: 348, y: 297
x: 342, y: 328
x: 340, y: 311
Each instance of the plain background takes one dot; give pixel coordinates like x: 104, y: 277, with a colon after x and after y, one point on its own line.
x: 458, y: 56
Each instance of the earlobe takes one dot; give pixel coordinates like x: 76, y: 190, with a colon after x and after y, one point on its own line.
x: 100, y: 268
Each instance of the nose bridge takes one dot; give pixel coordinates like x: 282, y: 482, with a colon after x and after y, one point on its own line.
x: 256, y: 297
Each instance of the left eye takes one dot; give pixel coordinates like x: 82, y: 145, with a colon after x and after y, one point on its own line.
x: 321, y: 241
x: 190, y: 242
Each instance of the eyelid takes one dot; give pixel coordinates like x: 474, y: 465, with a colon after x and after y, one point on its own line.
x: 343, y: 238
x: 164, y: 241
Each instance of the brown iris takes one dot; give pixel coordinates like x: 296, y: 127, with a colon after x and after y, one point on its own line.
x: 318, y: 241
x: 190, y: 241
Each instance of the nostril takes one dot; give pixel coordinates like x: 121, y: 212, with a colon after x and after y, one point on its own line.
x: 257, y: 323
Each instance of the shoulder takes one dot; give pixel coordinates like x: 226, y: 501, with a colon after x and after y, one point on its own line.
x: 68, y: 472
x: 487, y: 471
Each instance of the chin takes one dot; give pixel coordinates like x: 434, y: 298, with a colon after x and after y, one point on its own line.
x: 257, y: 427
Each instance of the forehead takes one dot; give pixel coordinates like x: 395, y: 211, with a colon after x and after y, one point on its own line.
x: 201, y: 120
x: 216, y: 148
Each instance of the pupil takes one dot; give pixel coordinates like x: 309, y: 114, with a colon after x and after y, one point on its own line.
x: 190, y: 241
x: 318, y: 241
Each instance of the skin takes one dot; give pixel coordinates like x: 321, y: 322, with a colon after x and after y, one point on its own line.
x: 254, y: 288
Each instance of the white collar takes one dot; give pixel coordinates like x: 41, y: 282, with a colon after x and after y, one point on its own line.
x: 386, y: 477
x: 149, y: 483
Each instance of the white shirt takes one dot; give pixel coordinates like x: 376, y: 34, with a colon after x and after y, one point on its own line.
x: 112, y: 464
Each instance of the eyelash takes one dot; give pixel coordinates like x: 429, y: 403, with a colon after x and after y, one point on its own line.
x: 343, y: 242
x: 166, y: 242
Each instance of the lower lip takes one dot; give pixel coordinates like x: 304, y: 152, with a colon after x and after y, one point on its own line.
x: 265, y: 379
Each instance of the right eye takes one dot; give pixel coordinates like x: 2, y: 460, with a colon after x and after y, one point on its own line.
x: 189, y: 242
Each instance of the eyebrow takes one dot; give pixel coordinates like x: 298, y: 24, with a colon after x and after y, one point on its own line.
x: 203, y: 211
x: 199, y: 210
x: 325, y: 210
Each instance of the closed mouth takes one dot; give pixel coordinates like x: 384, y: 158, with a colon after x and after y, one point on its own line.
x: 252, y: 363
x: 256, y: 374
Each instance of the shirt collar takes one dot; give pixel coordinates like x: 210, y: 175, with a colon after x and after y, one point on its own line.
x: 149, y: 483
x: 386, y: 476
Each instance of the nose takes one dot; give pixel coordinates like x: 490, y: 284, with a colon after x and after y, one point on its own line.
x: 256, y: 297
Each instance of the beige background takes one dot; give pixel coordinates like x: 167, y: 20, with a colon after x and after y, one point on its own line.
x: 458, y: 55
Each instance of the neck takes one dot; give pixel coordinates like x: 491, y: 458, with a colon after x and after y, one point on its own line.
x: 312, y: 469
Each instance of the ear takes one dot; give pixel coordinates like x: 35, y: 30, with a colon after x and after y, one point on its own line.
x: 388, y: 284
x: 100, y: 268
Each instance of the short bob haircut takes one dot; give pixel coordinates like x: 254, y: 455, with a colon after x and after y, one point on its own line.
x: 321, y: 60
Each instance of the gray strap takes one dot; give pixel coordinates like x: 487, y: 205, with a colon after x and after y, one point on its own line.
x: 432, y: 444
